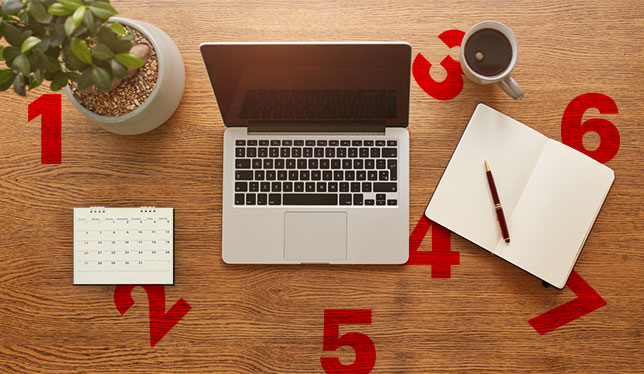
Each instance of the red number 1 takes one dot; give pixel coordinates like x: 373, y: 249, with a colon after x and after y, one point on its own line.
x: 361, y: 343
x: 48, y: 106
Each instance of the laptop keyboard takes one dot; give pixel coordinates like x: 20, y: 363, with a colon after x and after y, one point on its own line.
x: 319, y: 104
x: 333, y: 172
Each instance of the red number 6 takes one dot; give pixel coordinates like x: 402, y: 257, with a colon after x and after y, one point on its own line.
x: 453, y: 83
x: 361, y: 343
x: 572, y: 130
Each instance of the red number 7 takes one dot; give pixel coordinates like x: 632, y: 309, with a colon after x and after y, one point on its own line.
x: 361, y: 343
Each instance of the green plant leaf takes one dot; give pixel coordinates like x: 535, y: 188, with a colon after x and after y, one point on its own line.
x: 118, y: 70
x: 109, y: 38
x: 102, y: 10
x: 101, y: 78
x: 85, y: 79
x: 6, y: 79
x: 12, y: 6
x: 71, y: 62
x: 101, y: 52
x: 117, y: 28
x: 41, y: 61
x: 58, y: 9
x: 29, y: 43
x: 81, y: 51
x: 21, y: 63
x: 19, y: 83
x: 12, y: 34
x: 78, y: 15
x: 37, y: 10
x: 129, y: 60
x: 69, y: 26
x: 36, y: 79
x: 10, y: 53
x: 59, y: 81
x: 70, y: 4
x: 88, y: 22
x: 6, y: 75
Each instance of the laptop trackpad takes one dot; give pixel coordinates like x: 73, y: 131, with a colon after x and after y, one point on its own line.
x: 315, y: 236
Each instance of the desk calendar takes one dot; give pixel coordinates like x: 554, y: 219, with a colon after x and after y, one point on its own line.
x: 123, y: 246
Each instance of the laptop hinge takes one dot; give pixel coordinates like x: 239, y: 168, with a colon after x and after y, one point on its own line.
x: 266, y: 128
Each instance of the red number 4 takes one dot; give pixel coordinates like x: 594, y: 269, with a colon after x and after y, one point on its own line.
x: 441, y: 257
x: 361, y: 343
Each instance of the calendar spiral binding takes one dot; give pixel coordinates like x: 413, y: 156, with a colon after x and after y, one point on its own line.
x: 97, y: 209
x: 148, y: 209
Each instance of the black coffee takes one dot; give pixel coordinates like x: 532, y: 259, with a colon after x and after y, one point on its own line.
x: 488, y: 52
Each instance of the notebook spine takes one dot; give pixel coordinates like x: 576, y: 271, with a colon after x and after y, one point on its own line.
x: 148, y: 209
x: 97, y: 209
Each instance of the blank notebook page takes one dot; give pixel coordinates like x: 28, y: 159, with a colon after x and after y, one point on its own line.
x: 555, y: 213
x: 462, y: 201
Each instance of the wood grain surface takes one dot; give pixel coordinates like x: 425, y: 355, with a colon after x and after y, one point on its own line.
x: 250, y: 319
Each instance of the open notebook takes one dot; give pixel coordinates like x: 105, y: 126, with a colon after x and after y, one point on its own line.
x: 551, y: 194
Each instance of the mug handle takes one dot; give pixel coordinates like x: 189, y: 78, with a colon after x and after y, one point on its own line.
x: 510, y: 86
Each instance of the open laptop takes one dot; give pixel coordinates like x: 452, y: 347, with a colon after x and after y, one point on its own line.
x: 316, y: 151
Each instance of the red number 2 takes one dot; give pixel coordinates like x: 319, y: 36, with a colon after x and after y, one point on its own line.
x: 572, y: 130
x: 361, y: 343
x: 453, y: 83
x: 160, y: 321
x: 48, y: 106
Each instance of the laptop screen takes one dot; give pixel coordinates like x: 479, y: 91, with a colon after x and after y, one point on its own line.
x: 317, y: 83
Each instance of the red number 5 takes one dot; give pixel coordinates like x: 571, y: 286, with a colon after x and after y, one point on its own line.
x: 361, y: 343
x: 572, y: 130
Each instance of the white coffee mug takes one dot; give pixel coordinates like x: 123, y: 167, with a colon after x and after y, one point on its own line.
x: 503, y: 79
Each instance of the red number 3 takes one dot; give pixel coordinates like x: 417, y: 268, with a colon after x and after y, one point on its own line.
x: 572, y: 130
x: 361, y: 343
x: 453, y: 83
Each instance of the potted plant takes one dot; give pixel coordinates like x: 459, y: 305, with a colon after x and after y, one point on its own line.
x: 125, y: 75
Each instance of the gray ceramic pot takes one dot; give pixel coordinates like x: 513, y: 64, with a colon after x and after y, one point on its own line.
x: 165, y: 96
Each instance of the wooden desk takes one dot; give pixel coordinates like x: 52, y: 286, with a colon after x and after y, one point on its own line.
x: 270, y: 318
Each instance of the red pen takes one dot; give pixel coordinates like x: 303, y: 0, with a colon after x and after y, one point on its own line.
x: 500, y: 217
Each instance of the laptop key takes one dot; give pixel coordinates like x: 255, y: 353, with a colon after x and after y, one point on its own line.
x: 301, y: 163
x: 259, y: 175
x: 333, y: 187
x: 344, y: 187
x: 391, y: 143
x: 257, y: 163
x: 381, y: 164
x: 241, y: 186
x: 310, y: 199
x: 381, y: 196
x: 385, y: 187
x: 316, y: 175
x: 263, y: 142
x: 262, y: 152
x: 243, y: 175
x: 293, y: 175
x: 355, y: 186
x: 335, y: 164
x: 383, y: 175
x: 268, y: 163
x: 261, y: 199
x: 252, y: 143
x: 287, y: 186
x: 279, y: 163
x: 290, y: 163
x: 392, y: 202
x: 310, y: 186
x: 321, y: 187
x: 357, y: 199
x: 366, y: 187
x: 276, y: 187
x: 369, y: 202
x: 380, y: 143
x: 250, y: 199
x: 299, y: 187
x: 389, y: 152
x: 240, y: 142
x: 240, y: 152
x: 265, y: 187
x: 296, y: 152
x: 239, y: 199
x: 242, y: 164
x: 281, y: 175
x: 345, y: 199
x: 380, y: 202
x: 253, y: 186
x: 346, y: 163
x: 274, y: 199
x: 327, y: 175
x: 270, y: 175
x: 274, y: 152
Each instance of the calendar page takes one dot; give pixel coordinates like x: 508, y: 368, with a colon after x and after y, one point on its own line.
x: 123, y: 246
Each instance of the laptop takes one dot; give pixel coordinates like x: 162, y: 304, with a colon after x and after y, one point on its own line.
x: 316, y: 151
